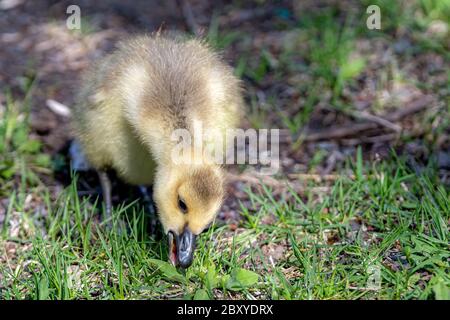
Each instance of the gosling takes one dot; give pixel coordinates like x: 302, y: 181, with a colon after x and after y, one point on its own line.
x: 127, y: 109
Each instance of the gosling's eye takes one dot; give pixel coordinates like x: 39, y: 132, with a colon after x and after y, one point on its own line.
x: 182, y: 205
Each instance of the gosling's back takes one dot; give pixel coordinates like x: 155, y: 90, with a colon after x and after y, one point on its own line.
x: 132, y: 100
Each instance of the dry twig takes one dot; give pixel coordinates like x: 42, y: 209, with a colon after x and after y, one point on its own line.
x: 355, y: 128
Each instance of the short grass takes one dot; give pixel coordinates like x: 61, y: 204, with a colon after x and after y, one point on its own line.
x: 381, y: 232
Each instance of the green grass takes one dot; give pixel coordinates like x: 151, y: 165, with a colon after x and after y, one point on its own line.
x: 330, y: 244
x: 20, y: 155
x: 379, y: 231
x: 401, y: 230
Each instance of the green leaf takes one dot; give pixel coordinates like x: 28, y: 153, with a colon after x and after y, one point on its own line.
x: 20, y: 137
x: 30, y: 146
x: 240, y: 279
x: 352, y: 68
x: 168, y: 270
x: 201, y: 294
x: 7, y: 172
x: 42, y: 160
x: 211, y: 278
x: 441, y: 290
x: 43, y: 289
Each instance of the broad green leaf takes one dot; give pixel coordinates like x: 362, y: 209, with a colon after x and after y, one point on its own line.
x: 20, y: 138
x: 211, y: 277
x: 42, y: 160
x: 8, y: 172
x: 441, y: 290
x: 201, y: 294
x: 352, y: 68
x: 168, y: 270
x: 43, y: 288
x: 240, y: 279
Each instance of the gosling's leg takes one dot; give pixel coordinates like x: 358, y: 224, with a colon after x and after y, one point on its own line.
x: 150, y: 206
x: 106, y: 191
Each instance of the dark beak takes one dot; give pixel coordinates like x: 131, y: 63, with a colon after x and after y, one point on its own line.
x: 181, y: 248
x: 185, y: 248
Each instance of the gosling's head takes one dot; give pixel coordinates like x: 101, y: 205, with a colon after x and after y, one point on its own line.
x: 188, y: 199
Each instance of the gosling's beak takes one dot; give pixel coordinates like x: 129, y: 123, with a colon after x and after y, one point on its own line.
x: 181, y: 248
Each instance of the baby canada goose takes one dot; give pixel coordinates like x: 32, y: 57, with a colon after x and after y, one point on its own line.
x: 128, y: 107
